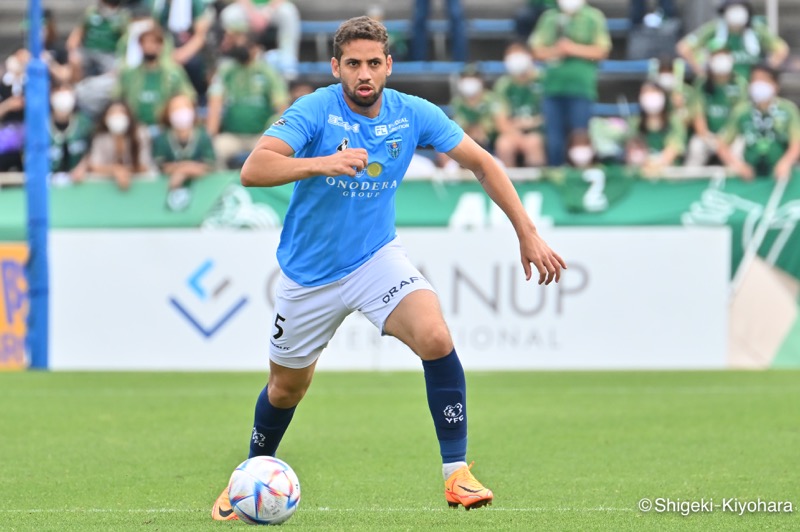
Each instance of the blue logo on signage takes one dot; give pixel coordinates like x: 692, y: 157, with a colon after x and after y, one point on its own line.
x: 207, y: 296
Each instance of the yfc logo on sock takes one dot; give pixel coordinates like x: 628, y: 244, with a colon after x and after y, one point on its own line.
x: 258, y: 438
x: 212, y: 305
x: 454, y: 413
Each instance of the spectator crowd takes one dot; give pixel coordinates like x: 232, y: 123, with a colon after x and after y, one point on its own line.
x: 179, y: 88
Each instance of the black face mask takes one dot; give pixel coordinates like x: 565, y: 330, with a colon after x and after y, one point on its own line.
x: 240, y: 54
x: 149, y: 58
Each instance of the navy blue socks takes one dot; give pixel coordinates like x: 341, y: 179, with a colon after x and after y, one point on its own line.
x: 447, y: 399
x: 269, y: 425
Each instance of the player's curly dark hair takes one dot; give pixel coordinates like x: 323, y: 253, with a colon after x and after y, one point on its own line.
x: 359, y: 28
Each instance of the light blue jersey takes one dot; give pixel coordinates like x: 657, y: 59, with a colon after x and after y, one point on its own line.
x: 335, y: 224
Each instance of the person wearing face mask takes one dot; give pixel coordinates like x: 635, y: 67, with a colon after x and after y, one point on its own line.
x: 188, y: 23
x: 670, y: 77
x: 120, y: 147
x: 477, y: 110
x: 663, y: 133
x: 768, y: 125
x: 12, y: 111
x: 244, y: 93
x: 183, y: 150
x: 92, y: 44
x: 70, y: 132
x: 715, y: 96
x: 147, y: 87
x: 749, y: 39
x: 571, y: 40
x: 519, y: 92
x: 585, y: 185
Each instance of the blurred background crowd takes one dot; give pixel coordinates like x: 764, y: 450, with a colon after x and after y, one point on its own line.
x: 176, y: 89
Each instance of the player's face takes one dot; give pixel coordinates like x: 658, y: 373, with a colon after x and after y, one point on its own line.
x: 363, y: 70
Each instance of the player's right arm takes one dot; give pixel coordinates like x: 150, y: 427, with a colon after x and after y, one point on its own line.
x: 271, y: 163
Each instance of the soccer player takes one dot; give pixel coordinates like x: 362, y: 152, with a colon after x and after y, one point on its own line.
x: 346, y: 148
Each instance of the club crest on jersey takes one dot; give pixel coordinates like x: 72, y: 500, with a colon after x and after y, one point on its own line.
x: 343, y: 145
x: 393, y: 146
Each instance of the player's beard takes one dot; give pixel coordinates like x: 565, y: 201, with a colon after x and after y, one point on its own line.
x: 361, y: 101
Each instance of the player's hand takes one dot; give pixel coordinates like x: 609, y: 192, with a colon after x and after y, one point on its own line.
x: 534, y: 250
x: 744, y: 170
x: 783, y: 170
x: 345, y: 162
x: 122, y: 176
x: 565, y: 47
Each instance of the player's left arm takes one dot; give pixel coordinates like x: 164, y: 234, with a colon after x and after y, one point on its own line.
x: 783, y: 168
x: 533, y: 249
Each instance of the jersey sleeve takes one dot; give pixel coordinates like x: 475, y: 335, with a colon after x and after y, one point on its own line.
x: 436, y: 129
x: 299, y: 124
x: 769, y: 40
x: 730, y: 130
x: 161, y: 150
x: 794, y: 123
x: 700, y: 37
x: 602, y: 37
x: 206, y: 148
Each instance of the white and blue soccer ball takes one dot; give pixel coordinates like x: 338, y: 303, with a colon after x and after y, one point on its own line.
x: 264, y: 491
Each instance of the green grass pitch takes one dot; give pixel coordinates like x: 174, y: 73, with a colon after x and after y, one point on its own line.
x: 562, y: 451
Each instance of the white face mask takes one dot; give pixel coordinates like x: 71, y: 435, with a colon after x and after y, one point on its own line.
x: 581, y: 155
x: 518, y: 63
x: 570, y: 6
x: 470, y: 87
x: 721, y: 64
x: 63, y: 102
x: 117, y: 124
x: 666, y: 81
x: 761, y: 91
x: 182, y: 118
x: 737, y: 16
x: 652, y: 102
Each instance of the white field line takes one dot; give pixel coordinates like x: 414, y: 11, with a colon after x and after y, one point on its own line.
x: 560, y: 509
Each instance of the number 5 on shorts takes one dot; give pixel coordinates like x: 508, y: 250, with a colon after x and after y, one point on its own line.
x: 278, y: 319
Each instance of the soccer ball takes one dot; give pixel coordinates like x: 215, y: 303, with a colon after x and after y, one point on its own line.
x: 264, y: 491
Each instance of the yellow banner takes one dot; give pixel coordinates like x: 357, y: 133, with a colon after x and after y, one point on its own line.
x: 13, y: 306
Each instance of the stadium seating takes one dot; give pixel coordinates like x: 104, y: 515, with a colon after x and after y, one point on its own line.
x: 623, y: 68
x: 321, y: 31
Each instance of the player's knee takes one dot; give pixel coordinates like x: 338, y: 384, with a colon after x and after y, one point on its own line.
x: 434, y: 342
x: 285, y: 394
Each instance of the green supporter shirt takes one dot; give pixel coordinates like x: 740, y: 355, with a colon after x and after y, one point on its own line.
x: 251, y: 94
x: 716, y: 102
x: 147, y: 90
x: 766, y: 135
x: 673, y: 135
x: 593, y: 189
x: 521, y: 100
x: 715, y: 34
x: 68, y: 146
x: 160, y: 10
x: 481, y: 114
x: 102, y: 30
x: 168, y: 149
x: 571, y: 76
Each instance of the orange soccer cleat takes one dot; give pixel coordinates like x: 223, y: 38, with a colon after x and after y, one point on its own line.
x: 463, y: 488
x: 222, y: 510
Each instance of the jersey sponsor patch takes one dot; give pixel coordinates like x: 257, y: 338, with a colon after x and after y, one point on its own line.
x: 393, y: 146
x: 382, y: 131
x: 279, y: 122
x: 343, y: 145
